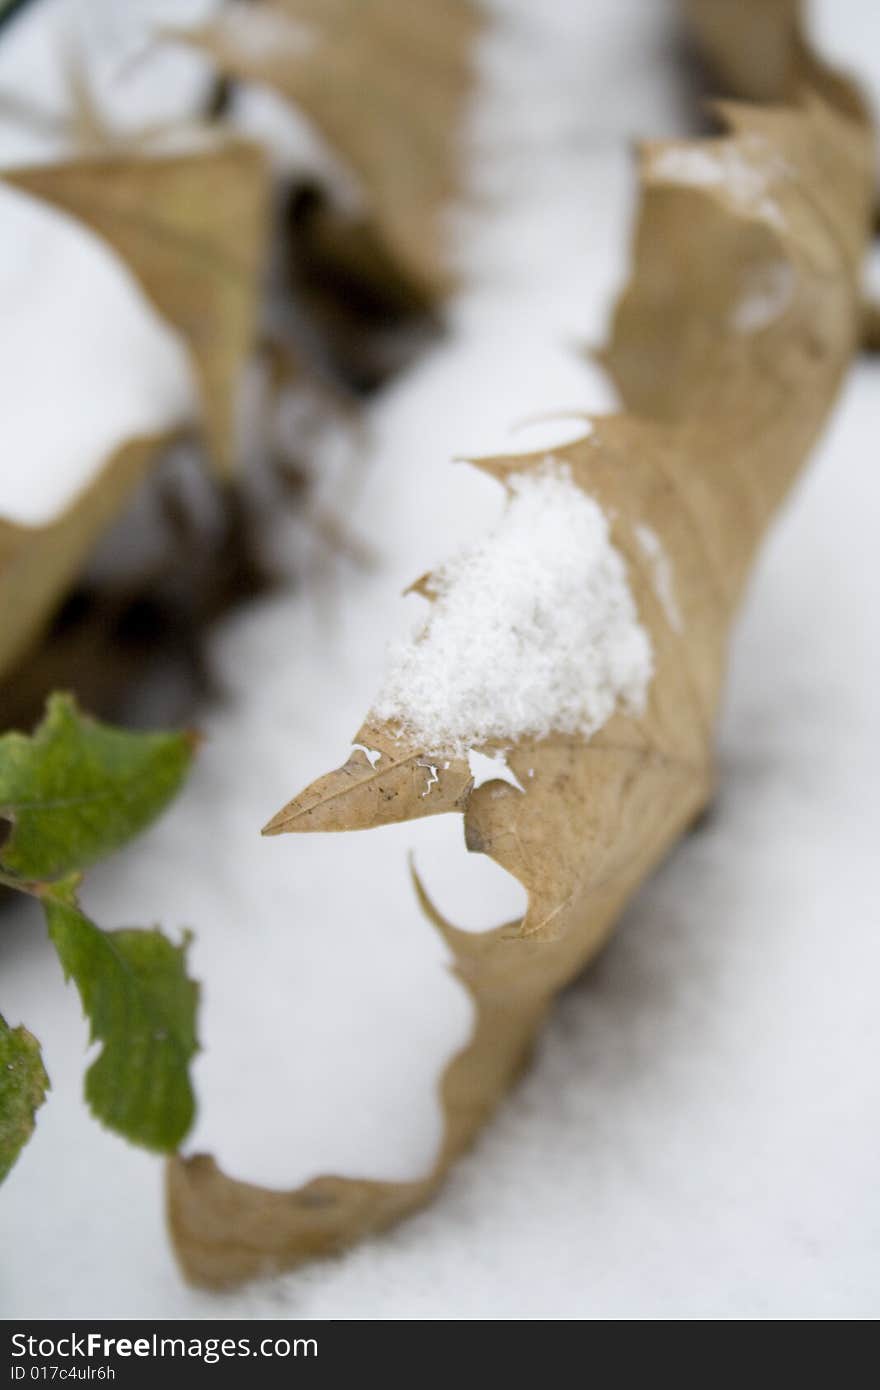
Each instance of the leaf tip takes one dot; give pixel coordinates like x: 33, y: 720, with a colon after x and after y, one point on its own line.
x: 279, y: 822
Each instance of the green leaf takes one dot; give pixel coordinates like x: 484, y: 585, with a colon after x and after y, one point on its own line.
x: 142, y: 1006
x: 23, y: 1087
x: 77, y: 789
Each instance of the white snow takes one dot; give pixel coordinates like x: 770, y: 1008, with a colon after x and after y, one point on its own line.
x: 533, y: 631
x: 697, y: 1137
x: 133, y: 81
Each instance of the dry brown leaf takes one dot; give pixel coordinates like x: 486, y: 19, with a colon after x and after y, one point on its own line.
x: 192, y: 228
x: 39, y: 563
x: 871, y: 325
x: 721, y: 411
x: 759, y: 50
x: 132, y: 631
x: 386, y: 84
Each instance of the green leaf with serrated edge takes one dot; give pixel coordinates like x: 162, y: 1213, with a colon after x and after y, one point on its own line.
x: 23, y: 1087
x: 142, y: 1006
x: 77, y: 790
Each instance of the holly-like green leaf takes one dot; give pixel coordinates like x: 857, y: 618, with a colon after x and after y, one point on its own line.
x: 77, y: 789
x: 23, y: 1087
x: 142, y: 1006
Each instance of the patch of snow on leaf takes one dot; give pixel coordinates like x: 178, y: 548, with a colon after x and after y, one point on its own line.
x: 532, y: 631
x: 746, y: 171
x: 654, y: 552
x: 767, y: 295
x: 492, y: 768
x: 372, y: 755
x: 433, y: 777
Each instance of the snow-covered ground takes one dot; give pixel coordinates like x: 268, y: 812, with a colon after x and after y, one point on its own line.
x: 699, y: 1134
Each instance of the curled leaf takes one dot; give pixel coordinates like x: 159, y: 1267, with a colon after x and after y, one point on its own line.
x: 385, y: 83
x: 727, y: 348
x: 760, y: 50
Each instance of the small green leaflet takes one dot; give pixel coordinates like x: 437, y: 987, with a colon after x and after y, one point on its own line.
x: 142, y: 1007
x: 77, y: 790
x: 23, y: 1087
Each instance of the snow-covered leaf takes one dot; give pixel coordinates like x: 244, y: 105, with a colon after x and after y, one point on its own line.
x: 720, y: 411
x: 192, y: 228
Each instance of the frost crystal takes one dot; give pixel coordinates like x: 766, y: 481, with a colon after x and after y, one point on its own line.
x: 533, y: 631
